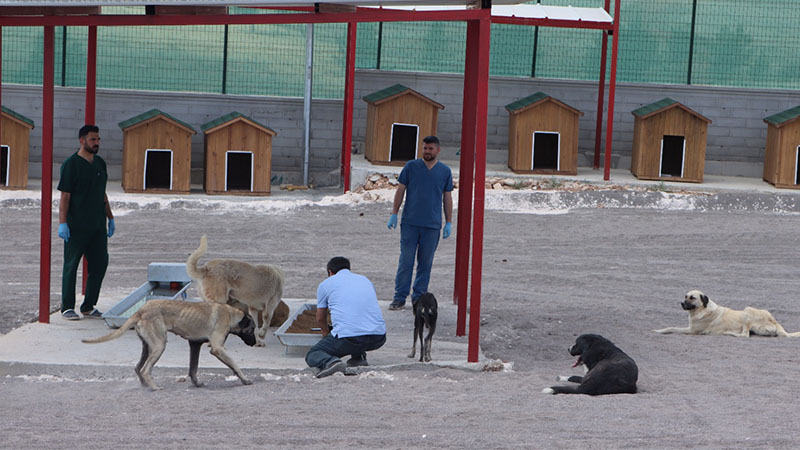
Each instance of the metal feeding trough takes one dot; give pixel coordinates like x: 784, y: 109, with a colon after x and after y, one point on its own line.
x: 296, y: 340
x: 165, y: 281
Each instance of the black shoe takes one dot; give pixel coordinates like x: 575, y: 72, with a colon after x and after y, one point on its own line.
x: 360, y: 362
x: 394, y: 306
x: 70, y: 314
x: 337, y: 366
x: 93, y: 314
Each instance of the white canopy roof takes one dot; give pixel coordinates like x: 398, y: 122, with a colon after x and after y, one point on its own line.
x: 505, y: 8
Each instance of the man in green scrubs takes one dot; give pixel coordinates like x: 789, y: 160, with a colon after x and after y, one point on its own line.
x: 82, y: 214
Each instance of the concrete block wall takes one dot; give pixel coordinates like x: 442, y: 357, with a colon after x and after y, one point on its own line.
x: 284, y: 115
x: 735, y: 146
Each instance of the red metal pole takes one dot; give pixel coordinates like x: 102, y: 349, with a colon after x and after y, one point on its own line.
x: 347, y: 119
x: 1, y: 76
x: 91, y: 75
x: 482, y: 99
x: 91, y: 92
x: 611, y: 88
x: 601, y: 94
x: 465, y: 180
x: 47, y: 173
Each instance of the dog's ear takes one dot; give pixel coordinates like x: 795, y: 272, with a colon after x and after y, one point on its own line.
x: 704, y: 299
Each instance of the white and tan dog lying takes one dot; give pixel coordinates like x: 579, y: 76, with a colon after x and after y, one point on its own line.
x: 257, y: 287
x: 706, y: 317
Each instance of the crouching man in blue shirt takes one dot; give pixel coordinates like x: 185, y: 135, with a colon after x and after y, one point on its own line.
x: 358, y: 325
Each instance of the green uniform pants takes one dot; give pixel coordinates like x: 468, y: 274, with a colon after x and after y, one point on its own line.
x: 93, y: 244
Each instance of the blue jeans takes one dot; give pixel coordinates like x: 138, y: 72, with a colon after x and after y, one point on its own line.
x: 331, y: 348
x: 420, y: 242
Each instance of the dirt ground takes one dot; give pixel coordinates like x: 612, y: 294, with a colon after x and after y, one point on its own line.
x: 550, y: 274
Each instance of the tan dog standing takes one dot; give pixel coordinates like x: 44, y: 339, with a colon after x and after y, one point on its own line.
x: 197, y: 322
x: 706, y: 317
x: 259, y: 287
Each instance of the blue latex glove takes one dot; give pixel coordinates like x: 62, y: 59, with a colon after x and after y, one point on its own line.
x: 392, y: 223
x: 446, y: 231
x: 63, y: 231
x: 111, y: 227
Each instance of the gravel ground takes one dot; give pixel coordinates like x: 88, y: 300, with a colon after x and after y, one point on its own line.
x: 551, y: 273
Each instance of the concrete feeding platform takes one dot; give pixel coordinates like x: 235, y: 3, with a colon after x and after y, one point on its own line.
x: 59, y: 343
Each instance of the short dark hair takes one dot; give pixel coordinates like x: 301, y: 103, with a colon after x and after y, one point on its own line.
x: 338, y: 263
x: 86, y: 129
x: 431, y: 140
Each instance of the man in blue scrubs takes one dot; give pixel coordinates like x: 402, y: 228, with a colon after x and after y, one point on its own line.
x: 427, y: 185
x: 358, y: 325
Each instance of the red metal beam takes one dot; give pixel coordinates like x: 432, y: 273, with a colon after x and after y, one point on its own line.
x: 481, y: 109
x: 47, y: 173
x: 89, y: 115
x: 91, y: 75
x: 465, y: 180
x: 602, y: 92
x: 347, y: 119
x: 366, y: 15
x: 611, y: 91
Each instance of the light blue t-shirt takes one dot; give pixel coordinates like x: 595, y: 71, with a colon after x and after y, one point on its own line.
x: 353, y: 304
x: 424, y: 190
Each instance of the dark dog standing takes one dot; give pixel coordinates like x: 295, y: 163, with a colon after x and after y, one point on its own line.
x: 610, y: 370
x: 425, y: 314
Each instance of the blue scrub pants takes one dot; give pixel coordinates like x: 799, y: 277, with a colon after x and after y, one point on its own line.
x: 419, y: 242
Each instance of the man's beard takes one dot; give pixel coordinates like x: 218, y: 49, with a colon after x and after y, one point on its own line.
x: 427, y: 157
x: 92, y: 150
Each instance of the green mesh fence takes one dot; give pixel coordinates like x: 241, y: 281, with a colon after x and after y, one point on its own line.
x: 738, y: 43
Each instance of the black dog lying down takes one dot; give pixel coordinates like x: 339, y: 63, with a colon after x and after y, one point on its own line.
x: 609, y: 369
x: 425, y: 314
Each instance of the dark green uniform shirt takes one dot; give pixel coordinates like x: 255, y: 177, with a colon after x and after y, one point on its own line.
x: 86, y: 183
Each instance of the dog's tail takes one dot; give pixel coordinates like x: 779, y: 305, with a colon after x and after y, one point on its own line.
x: 191, y: 263
x: 116, y: 333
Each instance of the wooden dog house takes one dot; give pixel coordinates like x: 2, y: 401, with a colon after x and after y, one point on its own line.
x: 238, y: 156
x: 669, y: 142
x: 14, y: 148
x: 542, y: 135
x: 782, y: 158
x: 398, y: 118
x: 156, y: 153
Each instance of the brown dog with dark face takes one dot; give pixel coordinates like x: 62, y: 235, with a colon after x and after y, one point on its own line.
x: 256, y: 287
x: 197, y: 322
x: 706, y: 317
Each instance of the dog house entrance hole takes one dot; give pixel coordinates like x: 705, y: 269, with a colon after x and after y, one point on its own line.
x: 673, y: 153
x: 5, y: 162
x: 546, y: 150
x: 404, y: 142
x: 157, y: 169
x: 238, y: 171
x: 797, y: 165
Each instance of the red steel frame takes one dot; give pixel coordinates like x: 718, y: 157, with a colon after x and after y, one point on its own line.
x: 91, y: 91
x: 466, y: 167
x: 47, y: 172
x: 474, y: 116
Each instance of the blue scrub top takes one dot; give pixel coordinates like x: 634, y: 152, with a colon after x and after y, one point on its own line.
x: 424, y: 190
